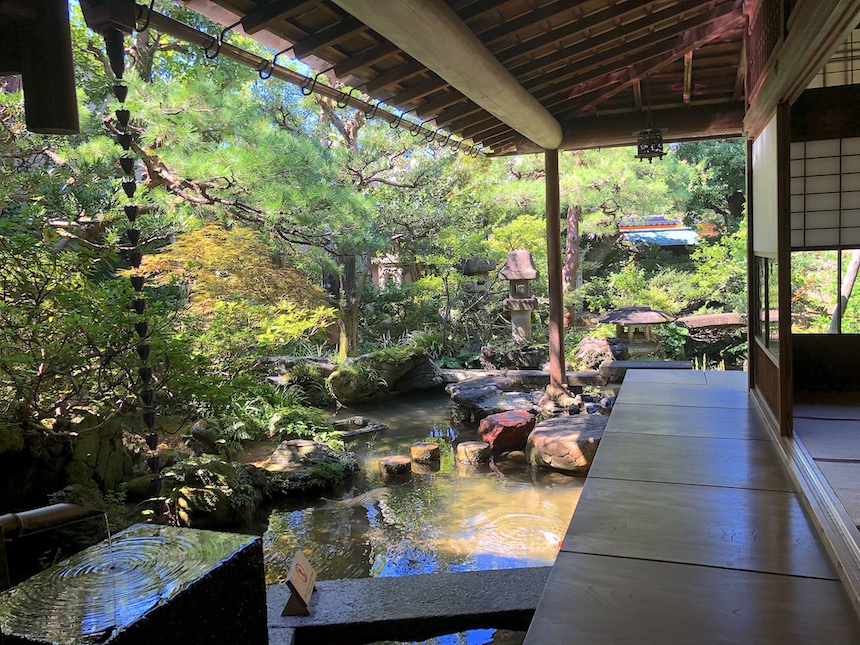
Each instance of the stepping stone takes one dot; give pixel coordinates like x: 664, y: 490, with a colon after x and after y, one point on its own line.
x: 566, y: 444
x: 474, y: 452
x: 425, y: 451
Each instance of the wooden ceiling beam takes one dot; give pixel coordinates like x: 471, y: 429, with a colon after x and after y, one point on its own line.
x: 272, y: 12
x: 485, y: 129
x: 420, y: 90
x: 433, y: 108
x: 688, y: 77
x: 328, y: 37
x: 365, y: 59
x: 604, y: 19
x: 637, y: 95
x: 393, y: 76
x: 681, y: 124
x: 688, y: 42
x: 430, y: 32
x: 629, y: 43
x: 740, y: 77
x: 507, y: 139
x: 553, y: 10
x: 621, y: 52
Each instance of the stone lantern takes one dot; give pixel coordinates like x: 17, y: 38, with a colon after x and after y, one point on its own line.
x: 633, y: 326
x: 520, y: 270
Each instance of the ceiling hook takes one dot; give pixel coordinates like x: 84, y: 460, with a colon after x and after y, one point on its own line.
x: 270, y: 65
x: 206, y: 50
x: 345, y: 102
x: 148, y: 16
x: 308, y: 88
x: 371, y: 112
x: 432, y: 137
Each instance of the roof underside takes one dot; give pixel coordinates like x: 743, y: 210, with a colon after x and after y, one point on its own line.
x: 596, y: 65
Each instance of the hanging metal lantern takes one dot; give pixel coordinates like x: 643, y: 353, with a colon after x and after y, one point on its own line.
x: 649, y: 144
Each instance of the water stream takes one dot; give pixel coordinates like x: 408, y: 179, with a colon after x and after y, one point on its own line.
x: 451, y: 520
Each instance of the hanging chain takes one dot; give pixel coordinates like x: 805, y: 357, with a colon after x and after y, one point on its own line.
x: 134, y: 257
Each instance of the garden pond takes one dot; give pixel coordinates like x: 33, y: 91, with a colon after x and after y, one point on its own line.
x: 452, y: 520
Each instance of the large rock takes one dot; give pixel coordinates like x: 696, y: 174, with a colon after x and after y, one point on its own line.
x: 507, y: 431
x: 593, y: 350
x: 300, y: 453
x: 566, y: 444
x: 481, y: 397
x: 371, y: 376
x: 207, y: 492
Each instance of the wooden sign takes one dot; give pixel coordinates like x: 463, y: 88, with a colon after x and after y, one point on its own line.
x: 301, y: 581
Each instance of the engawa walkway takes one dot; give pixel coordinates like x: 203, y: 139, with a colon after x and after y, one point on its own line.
x: 689, y: 531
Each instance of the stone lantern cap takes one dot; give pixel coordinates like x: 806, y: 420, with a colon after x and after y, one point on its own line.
x: 519, y: 266
x: 635, y: 315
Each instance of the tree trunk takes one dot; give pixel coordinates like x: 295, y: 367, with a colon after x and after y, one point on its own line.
x: 571, y: 251
x: 845, y: 292
x: 352, y: 286
x: 601, y: 248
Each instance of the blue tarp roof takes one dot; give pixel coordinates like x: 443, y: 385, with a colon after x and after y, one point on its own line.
x: 664, y: 237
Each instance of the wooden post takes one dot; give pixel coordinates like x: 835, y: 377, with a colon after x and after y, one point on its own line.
x: 783, y: 268
x: 557, y: 374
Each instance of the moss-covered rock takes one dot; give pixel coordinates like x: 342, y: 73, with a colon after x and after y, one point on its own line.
x: 390, y: 370
x: 11, y: 437
x: 80, y: 474
x: 207, y: 492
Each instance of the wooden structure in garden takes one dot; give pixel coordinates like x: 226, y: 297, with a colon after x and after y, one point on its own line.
x: 539, y: 76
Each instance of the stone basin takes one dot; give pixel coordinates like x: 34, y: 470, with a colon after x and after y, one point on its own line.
x: 155, y: 584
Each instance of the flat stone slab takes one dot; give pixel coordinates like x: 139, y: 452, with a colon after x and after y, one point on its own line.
x: 614, y: 371
x: 409, y: 608
x: 536, y: 379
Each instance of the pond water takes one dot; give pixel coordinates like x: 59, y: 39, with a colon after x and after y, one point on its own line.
x: 451, y: 520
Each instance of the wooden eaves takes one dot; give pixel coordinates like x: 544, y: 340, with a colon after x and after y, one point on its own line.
x: 593, y: 66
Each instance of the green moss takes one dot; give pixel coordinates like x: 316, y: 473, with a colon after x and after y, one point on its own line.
x: 11, y: 437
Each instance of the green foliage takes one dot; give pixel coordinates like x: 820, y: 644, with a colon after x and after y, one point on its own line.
x: 265, y: 412
x: 718, y: 182
x: 310, y: 379
x: 672, y: 339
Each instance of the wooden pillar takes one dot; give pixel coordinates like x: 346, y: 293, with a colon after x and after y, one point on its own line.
x: 557, y: 374
x: 783, y: 268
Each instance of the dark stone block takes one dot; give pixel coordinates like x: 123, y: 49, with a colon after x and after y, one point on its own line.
x: 161, y: 585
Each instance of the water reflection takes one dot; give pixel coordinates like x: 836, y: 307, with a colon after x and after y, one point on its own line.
x: 437, y: 522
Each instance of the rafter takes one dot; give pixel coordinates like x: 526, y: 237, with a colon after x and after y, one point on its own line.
x: 417, y: 91
x: 631, y: 45
x: 454, y: 109
x: 741, y: 75
x: 366, y: 58
x: 606, y: 23
x: 394, y: 76
x: 688, y: 42
x: 328, y: 37
x: 688, y: 77
x: 272, y: 12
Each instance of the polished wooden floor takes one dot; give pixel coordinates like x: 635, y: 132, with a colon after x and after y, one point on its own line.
x: 689, y: 531
x: 828, y: 425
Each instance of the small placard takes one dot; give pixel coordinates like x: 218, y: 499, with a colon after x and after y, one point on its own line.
x: 301, y: 581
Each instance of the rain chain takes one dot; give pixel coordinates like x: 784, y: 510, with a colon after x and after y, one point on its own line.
x: 134, y: 256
